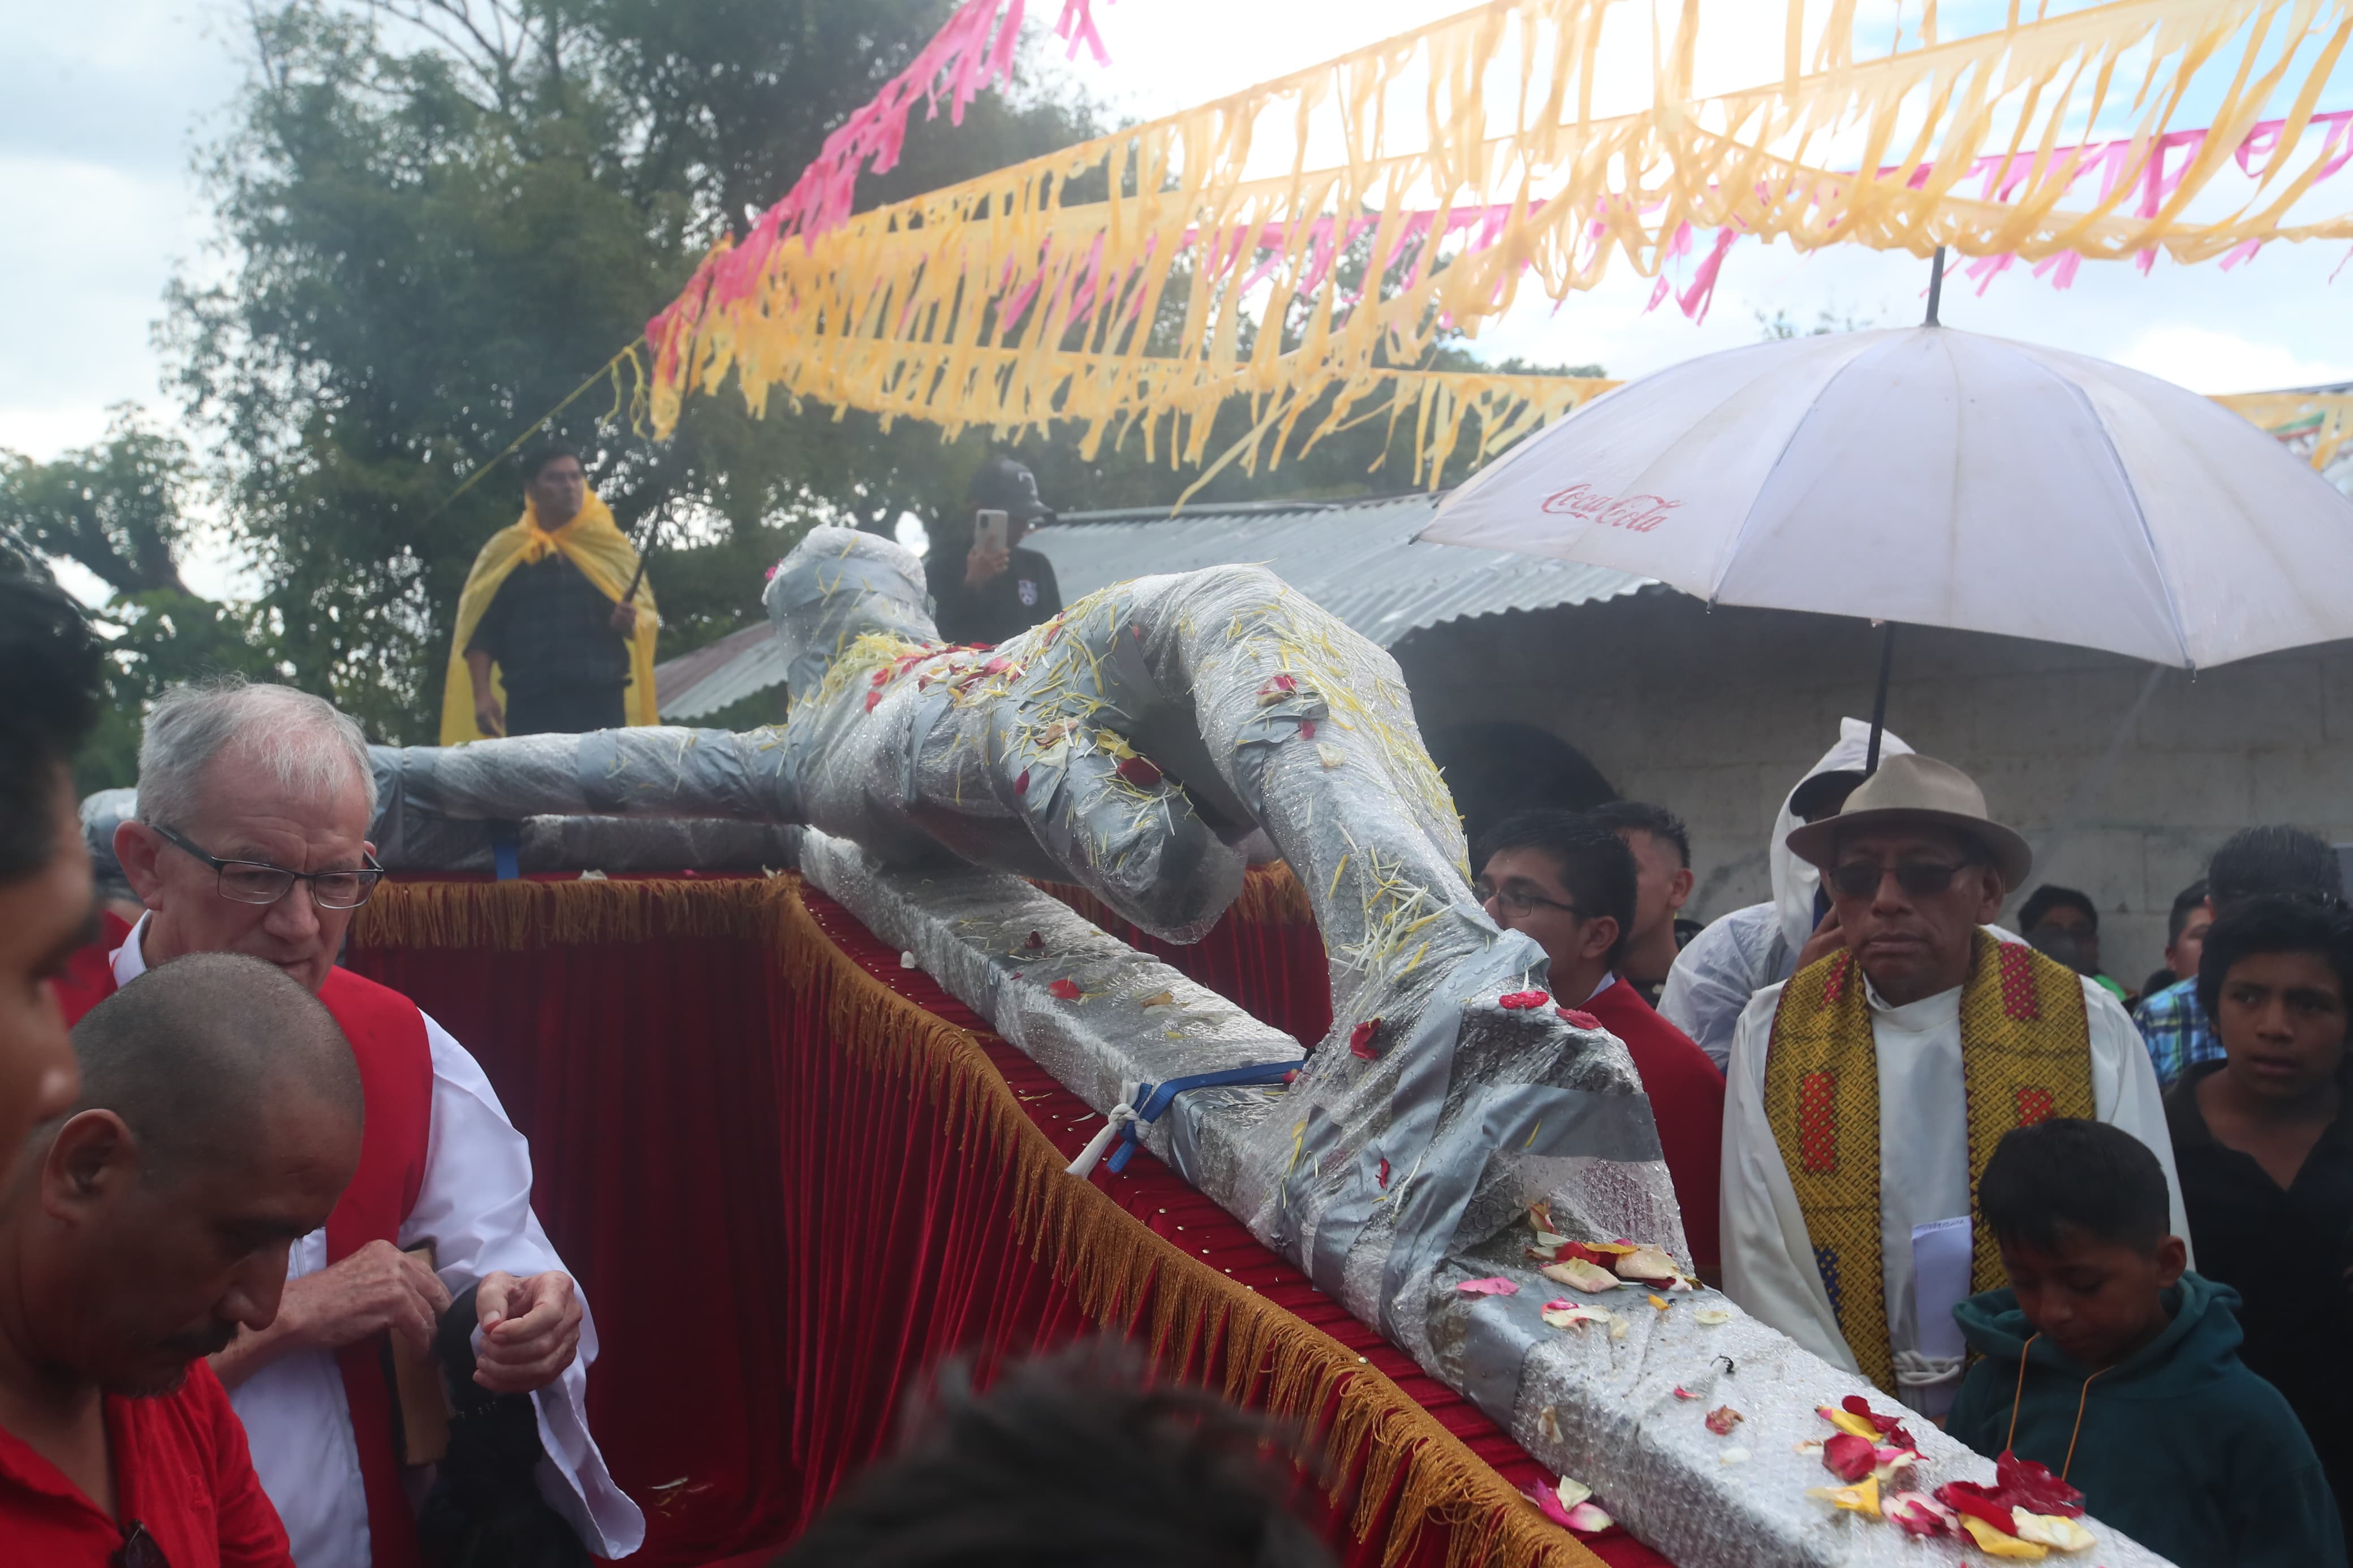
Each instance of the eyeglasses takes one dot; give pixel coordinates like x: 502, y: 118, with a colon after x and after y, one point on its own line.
x: 138, y: 1549
x: 257, y: 882
x: 1921, y: 878
x: 1511, y: 901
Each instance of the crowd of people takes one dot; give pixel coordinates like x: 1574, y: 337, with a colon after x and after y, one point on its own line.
x: 246, y: 1171
x: 2119, y: 1244
x: 1939, y: 1154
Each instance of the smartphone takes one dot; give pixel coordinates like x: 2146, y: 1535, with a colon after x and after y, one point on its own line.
x: 989, y: 530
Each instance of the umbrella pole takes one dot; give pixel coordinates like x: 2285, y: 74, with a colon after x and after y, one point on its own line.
x: 1935, y: 286
x: 1879, y: 704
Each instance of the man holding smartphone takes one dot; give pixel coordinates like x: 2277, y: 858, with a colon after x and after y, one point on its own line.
x: 993, y: 589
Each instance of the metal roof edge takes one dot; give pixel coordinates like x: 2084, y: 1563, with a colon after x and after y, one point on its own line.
x: 1242, y: 508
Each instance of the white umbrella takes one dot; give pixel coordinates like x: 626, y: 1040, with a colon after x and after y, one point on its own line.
x: 1939, y: 477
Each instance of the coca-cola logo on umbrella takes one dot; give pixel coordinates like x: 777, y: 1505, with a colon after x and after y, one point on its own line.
x: 1635, y: 514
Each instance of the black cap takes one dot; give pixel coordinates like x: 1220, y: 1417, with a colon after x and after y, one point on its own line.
x: 1006, y: 486
x: 1822, y: 794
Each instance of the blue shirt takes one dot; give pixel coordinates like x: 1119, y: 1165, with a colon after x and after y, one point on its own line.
x: 2177, y: 1031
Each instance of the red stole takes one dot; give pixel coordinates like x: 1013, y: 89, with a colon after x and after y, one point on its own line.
x: 387, y: 1037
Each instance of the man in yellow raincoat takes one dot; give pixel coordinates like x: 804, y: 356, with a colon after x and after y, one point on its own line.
x: 550, y: 638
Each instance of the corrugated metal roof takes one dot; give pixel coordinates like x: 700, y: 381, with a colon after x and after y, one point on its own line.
x: 1357, y: 559
x: 697, y: 684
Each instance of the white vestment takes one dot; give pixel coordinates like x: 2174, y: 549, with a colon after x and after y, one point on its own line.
x: 474, y: 1207
x: 1740, y: 955
x: 1924, y: 1170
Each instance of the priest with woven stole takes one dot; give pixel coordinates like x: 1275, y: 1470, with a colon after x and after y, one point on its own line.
x: 1868, y: 1090
x: 556, y: 623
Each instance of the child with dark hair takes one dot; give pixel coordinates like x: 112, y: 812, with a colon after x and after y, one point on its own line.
x: 2265, y: 1153
x: 2064, y: 923
x: 2109, y: 1364
x: 1070, y: 1461
x: 2253, y: 863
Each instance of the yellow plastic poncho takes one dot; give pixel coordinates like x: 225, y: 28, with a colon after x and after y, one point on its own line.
x: 596, y: 544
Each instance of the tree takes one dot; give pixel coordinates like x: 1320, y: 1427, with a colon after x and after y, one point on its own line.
x: 442, y: 215
x: 118, y: 510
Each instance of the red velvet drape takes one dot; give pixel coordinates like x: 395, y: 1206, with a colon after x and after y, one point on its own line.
x: 781, y: 1237
x: 645, y: 1075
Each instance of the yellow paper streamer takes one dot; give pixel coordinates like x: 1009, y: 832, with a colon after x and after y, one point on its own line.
x: 1018, y: 299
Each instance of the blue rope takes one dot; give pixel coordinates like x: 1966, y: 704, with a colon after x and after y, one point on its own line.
x: 1155, y: 1098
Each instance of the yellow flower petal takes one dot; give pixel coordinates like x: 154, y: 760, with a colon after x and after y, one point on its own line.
x: 1847, y: 1421
x: 1860, y: 1498
x: 1996, y: 1544
x: 2053, y: 1531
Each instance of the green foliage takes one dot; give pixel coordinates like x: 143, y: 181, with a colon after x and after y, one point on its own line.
x: 118, y: 510
x: 441, y: 219
x: 113, y: 509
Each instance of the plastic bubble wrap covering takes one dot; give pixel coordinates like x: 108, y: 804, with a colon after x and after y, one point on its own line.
x: 655, y: 771
x: 1024, y: 758
x: 1599, y: 1402
x: 1136, y: 745
x: 650, y: 799
x: 1401, y: 1161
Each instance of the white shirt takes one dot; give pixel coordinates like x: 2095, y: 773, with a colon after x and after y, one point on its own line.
x: 1923, y: 1169
x: 474, y: 1205
x: 1718, y: 971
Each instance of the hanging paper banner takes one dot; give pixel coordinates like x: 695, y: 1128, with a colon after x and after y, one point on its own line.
x: 1309, y: 234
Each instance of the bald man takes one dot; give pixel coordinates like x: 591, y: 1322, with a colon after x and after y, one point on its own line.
x: 219, y: 1119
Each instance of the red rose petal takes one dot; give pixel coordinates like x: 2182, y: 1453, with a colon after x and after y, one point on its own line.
x: 1721, y: 1419
x: 1519, y: 1001
x: 1849, y: 1457
x: 1577, y: 1020
x: 1360, y: 1039
x: 1139, y: 772
x: 872, y: 699
x: 1384, y: 1177
x: 1021, y: 784
x: 1307, y: 729
x: 1068, y: 990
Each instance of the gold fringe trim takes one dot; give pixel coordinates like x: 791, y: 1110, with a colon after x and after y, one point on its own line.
x: 1192, y: 1318
x: 1271, y: 895
x: 521, y: 916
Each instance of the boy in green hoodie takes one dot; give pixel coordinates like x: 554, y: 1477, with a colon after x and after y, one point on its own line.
x: 2110, y: 1364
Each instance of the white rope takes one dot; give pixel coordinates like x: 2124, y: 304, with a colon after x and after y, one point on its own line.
x: 1100, y: 1144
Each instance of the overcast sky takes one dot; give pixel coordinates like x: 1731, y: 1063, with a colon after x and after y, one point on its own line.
x: 102, y: 104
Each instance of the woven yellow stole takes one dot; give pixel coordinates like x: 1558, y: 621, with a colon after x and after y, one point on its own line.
x: 2026, y: 1055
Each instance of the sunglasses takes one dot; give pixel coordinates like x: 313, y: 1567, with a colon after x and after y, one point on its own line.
x: 1921, y: 878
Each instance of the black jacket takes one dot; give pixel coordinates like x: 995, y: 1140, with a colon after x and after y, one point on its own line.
x: 1012, y: 602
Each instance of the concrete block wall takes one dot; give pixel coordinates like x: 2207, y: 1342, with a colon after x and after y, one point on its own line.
x: 1717, y: 713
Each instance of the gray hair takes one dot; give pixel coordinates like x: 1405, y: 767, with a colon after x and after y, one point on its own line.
x: 305, y: 742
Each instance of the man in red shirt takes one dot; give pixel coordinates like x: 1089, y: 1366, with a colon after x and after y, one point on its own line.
x: 1569, y: 883
x: 219, y: 1120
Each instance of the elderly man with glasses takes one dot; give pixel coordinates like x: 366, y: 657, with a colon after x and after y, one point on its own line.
x: 1867, y: 1092
x: 254, y: 808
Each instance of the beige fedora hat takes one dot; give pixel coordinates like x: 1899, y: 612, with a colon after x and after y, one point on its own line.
x: 1911, y: 788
